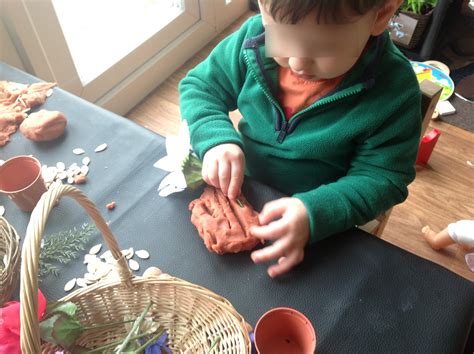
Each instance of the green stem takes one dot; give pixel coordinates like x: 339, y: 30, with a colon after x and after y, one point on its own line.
x: 115, y: 343
x: 214, y: 344
x: 155, y: 338
x: 135, y: 327
x: 104, y: 325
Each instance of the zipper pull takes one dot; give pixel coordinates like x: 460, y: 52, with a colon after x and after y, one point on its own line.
x: 283, y: 131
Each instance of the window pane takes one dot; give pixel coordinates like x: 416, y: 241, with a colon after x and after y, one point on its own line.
x: 101, y: 32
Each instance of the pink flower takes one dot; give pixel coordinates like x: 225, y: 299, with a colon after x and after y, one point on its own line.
x: 10, y: 324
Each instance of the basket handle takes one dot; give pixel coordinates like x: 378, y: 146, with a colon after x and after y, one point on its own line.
x: 30, y: 335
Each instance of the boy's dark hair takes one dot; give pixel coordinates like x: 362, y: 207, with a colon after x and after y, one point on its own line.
x: 328, y: 11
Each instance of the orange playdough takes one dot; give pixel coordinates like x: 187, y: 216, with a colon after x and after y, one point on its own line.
x: 17, y: 99
x: 222, y: 223
x: 44, y: 125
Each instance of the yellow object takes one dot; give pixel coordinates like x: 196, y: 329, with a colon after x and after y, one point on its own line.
x: 423, y: 73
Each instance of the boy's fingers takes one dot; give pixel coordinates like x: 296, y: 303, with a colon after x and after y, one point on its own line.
x: 224, y: 176
x: 284, y: 264
x: 274, y: 251
x: 236, y: 180
x: 272, y: 231
x: 213, y: 173
x: 272, y: 210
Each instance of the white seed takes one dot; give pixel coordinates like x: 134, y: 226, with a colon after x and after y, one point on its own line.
x: 128, y: 253
x: 84, y: 170
x: 92, y: 267
x: 470, y: 163
x: 70, y: 284
x: 86, y: 161
x: 100, y: 148
x: 78, y: 151
x: 49, y: 93
x: 81, y: 282
x: 88, y: 258
x: 143, y: 254
x: 133, y: 264
x: 60, y: 166
x: 2, y: 210
x: 91, y: 277
x: 62, y: 175
x: 95, y: 249
x: 102, y: 270
x: 106, y: 254
x: 70, y: 180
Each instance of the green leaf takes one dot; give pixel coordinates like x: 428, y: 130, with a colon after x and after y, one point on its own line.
x: 66, y: 330
x: 67, y: 308
x: 46, y: 328
x: 192, y: 170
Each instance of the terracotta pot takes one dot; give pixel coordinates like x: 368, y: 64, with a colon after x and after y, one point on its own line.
x: 21, y: 181
x: 284, y: 330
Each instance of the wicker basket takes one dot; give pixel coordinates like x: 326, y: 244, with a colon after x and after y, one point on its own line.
x: 193, y: 316
x: 9, y: 260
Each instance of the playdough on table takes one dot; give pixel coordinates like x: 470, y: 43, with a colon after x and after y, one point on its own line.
x: 15, y: 101
x: 44, y: 125
x: 222, y: 223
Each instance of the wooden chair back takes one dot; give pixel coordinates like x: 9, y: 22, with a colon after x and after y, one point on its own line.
x: 430, y: 97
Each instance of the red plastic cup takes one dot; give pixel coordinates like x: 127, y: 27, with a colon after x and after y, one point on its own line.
x: 284, y: 330
x: 21, y: 181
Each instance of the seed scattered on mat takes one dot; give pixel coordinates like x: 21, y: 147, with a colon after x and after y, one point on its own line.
x: 100, y: 148
x: 70, y: 284
x: 2, y: 210
x: 142, y: 254
x: 133, y: 264
x: 95, y: 249
x: 110, y: 206
x: 78, y: 151
x: 86, y: 161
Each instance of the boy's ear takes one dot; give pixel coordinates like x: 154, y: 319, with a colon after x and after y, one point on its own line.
x: 383, y: 15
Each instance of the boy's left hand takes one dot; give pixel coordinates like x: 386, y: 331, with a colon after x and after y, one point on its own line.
x: 285, y: 221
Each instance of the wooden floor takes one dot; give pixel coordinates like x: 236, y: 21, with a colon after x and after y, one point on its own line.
x: 441, y: 193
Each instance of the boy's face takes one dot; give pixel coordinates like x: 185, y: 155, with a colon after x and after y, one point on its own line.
x: 317, y: 51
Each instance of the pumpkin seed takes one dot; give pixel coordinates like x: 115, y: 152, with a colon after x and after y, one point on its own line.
x: 78, y: 151
x: 133, y: 264
x: 143, y: 254
x: 70, y: 284
x: 95, y: 249
x: 100, y: 148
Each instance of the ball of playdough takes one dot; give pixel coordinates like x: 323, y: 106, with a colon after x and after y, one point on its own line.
x: 44, y: 125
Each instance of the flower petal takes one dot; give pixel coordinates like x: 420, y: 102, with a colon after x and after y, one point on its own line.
x: 167, y: 163
x: 41, y: 305
x: 172, y: 183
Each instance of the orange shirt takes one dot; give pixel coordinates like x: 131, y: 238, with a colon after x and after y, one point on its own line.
x: 296, y: 93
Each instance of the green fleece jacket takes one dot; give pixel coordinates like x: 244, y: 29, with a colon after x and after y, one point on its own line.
x: 348, y: 157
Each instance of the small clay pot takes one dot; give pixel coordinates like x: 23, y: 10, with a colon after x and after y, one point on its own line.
x: 21, y: 181
x: 284, y: 330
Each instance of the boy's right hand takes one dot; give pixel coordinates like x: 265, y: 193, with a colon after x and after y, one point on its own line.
x: 223, y: 167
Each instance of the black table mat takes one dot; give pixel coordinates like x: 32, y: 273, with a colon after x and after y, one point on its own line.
x: 362, y: 294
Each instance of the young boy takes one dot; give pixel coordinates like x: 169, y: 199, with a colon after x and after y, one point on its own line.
x: 331, y: 116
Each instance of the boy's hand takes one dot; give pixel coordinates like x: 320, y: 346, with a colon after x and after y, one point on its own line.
x: 223, y: 167
x: 285, y: 221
